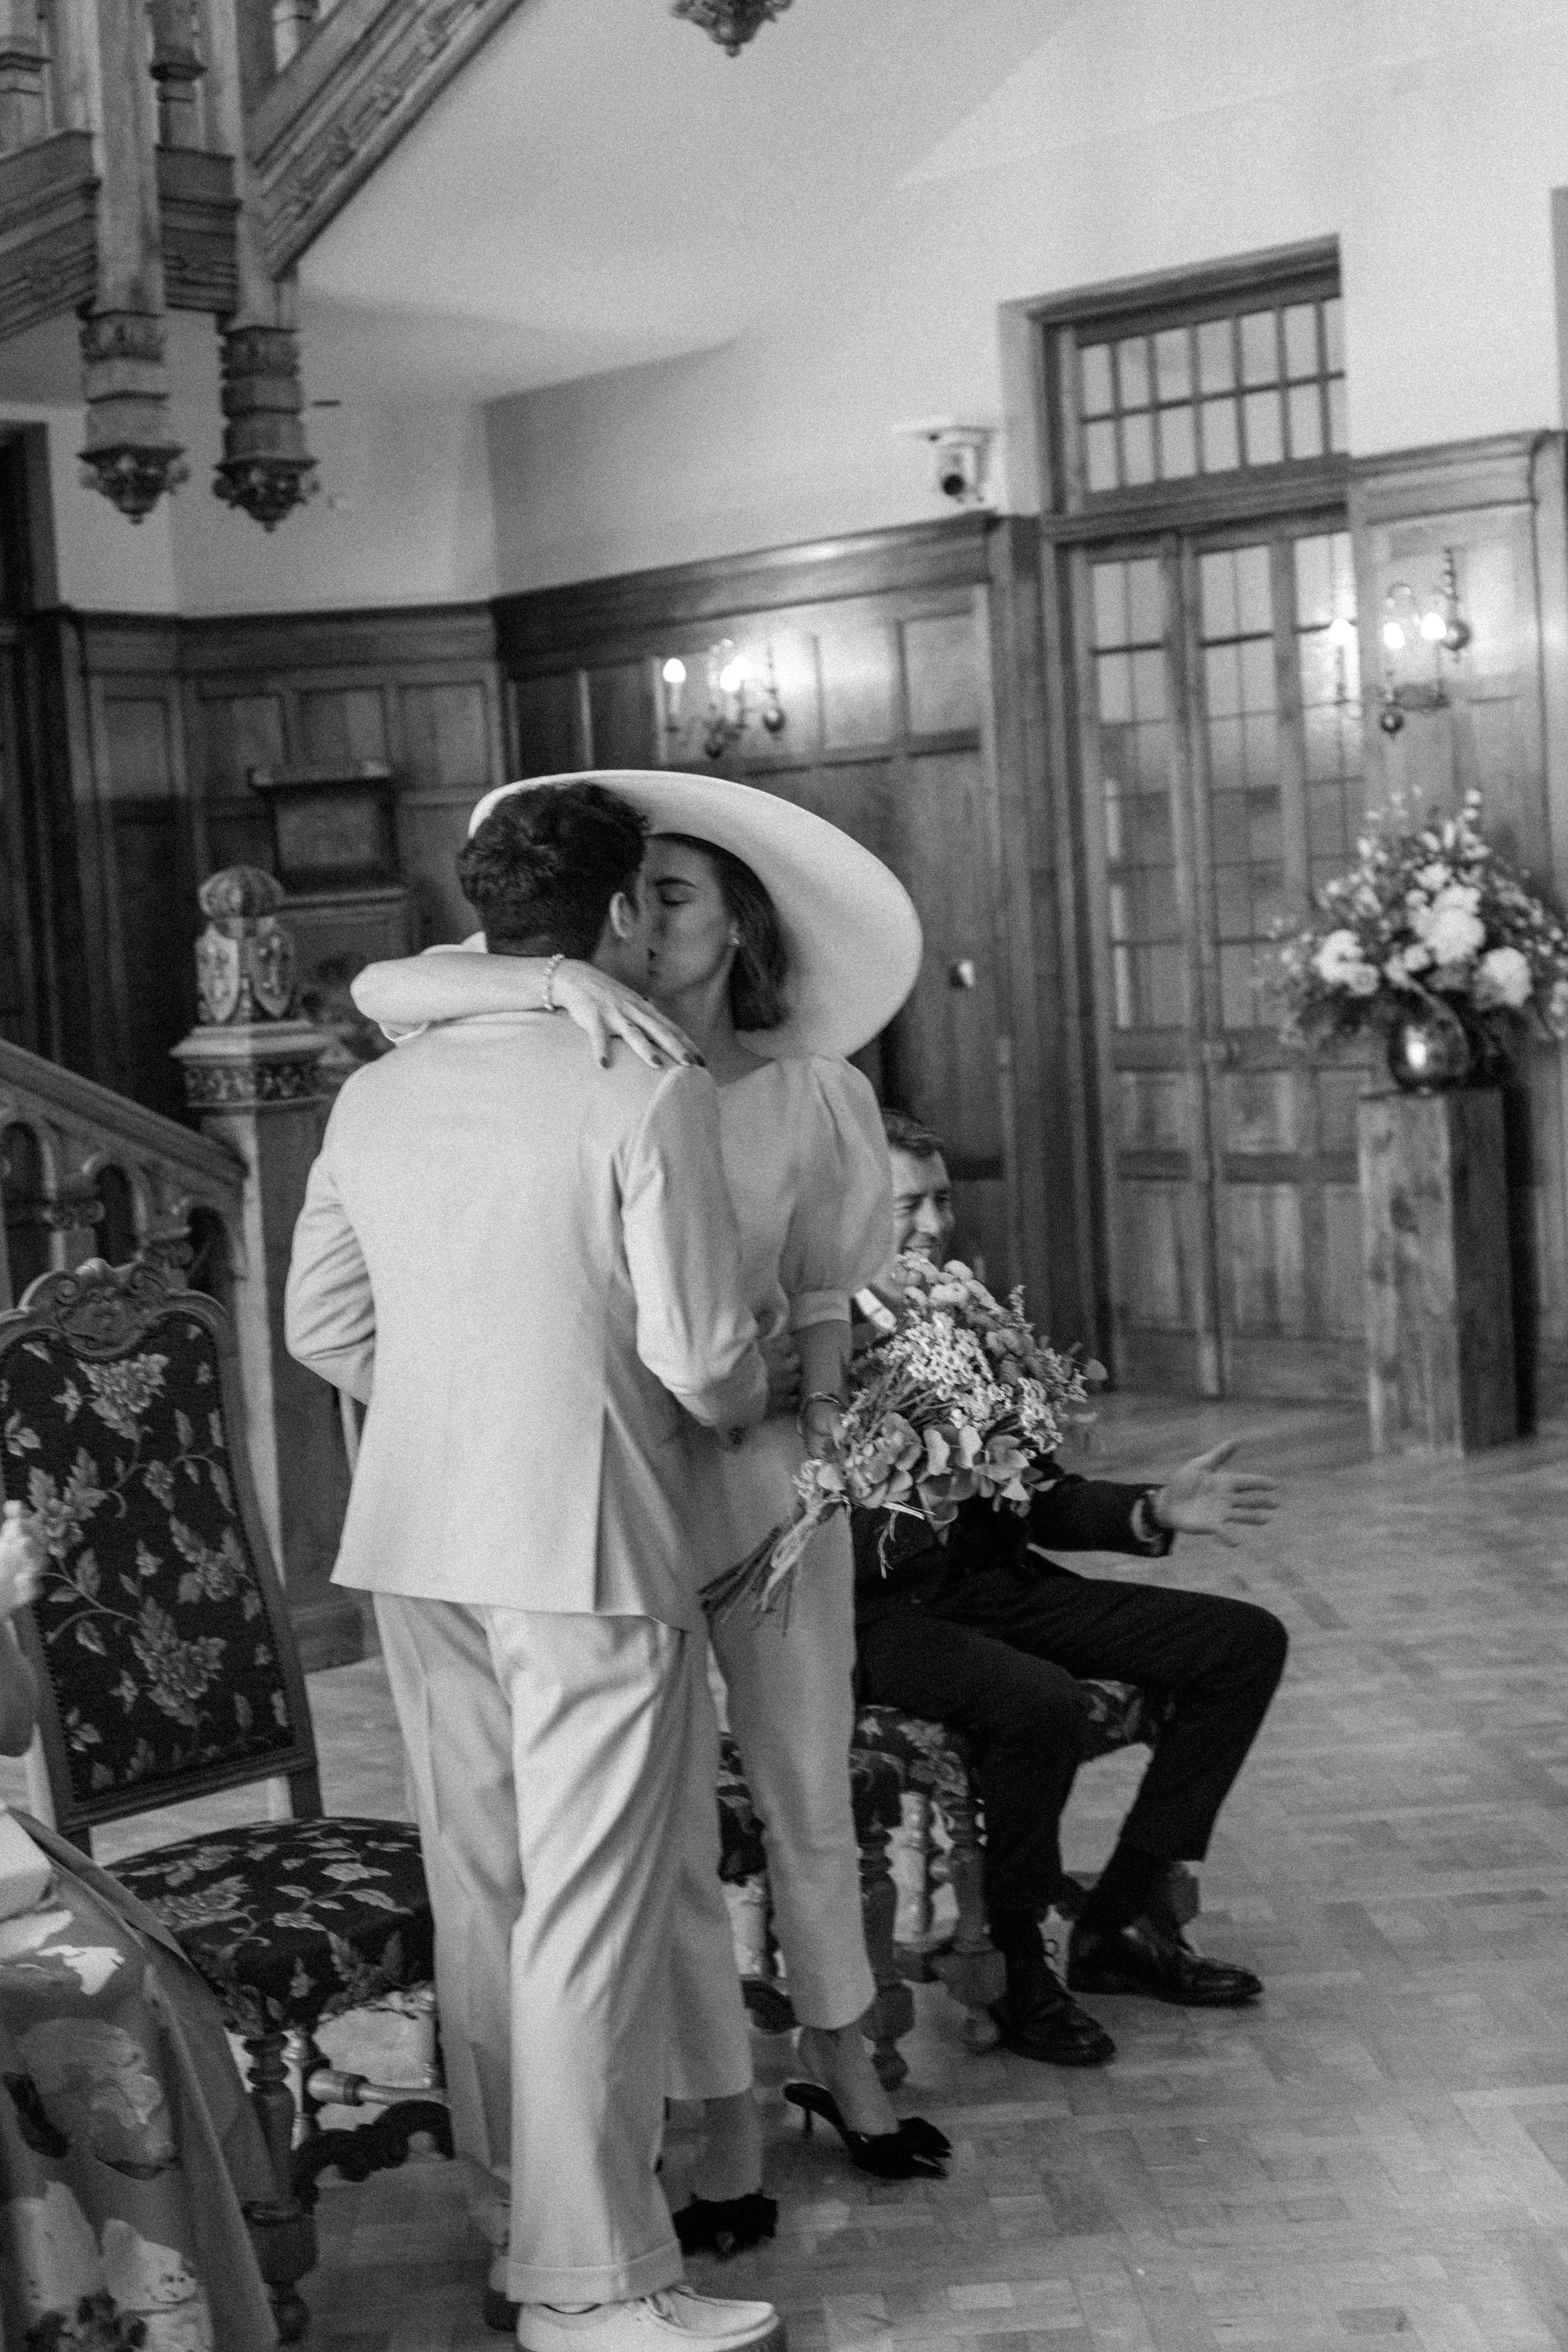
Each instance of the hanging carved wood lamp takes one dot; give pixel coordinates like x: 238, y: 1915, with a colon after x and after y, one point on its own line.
x: 266, y: 468
x: 731, y: 22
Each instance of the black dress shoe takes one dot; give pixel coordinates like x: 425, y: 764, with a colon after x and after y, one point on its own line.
x: 1039, y: 2020
x: 1150, y: 1957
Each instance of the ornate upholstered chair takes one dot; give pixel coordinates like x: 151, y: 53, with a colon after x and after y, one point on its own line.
x: 919, y: 1824
x: 167, y: 1671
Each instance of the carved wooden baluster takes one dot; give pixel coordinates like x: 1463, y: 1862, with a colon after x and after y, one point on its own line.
x: 893, y: 2011
x: 910, y: 1862
x: 282, y: 2232
x: 22, y: 66
x: 749, y: 1907
x: 177, y: 66
x: 971, y: 1970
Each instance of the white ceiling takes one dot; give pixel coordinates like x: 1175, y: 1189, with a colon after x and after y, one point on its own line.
x: 603, y: 187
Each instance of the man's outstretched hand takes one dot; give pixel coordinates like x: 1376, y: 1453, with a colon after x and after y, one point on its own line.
x: 1205, y: 1500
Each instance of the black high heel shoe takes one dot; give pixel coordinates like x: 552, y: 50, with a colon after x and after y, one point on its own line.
x: 915, y: 2151
x: 725, y: 2225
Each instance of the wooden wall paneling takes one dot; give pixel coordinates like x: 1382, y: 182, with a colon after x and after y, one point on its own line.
x: 548, y: 733
x: 140, y: 782
x: 883, y: 668
x: 343, y: 724
x: 623, y: 722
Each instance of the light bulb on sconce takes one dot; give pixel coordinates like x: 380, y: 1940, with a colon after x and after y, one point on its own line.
x: 1341, y: 636
x: 673, y: 677
x: 1409, y: 623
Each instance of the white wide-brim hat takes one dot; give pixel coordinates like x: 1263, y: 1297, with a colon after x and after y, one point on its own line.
x: 849, y: 927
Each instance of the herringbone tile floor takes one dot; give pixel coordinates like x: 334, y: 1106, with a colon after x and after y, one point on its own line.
x: 1379, y: 2150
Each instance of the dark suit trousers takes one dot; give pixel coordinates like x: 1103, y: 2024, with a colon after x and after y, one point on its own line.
x: 996, y: 1654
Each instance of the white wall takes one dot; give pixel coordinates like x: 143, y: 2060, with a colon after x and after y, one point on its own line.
x: 103, y: 563
x: 1146, y: 135
x: 403, y: 514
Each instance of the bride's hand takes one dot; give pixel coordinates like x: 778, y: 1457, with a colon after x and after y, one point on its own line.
x: 606, y: 1009
x: 782, y: 1358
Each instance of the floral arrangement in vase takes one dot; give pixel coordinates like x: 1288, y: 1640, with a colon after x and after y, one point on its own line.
x: 960, y: 1400
x: 1432, y: 940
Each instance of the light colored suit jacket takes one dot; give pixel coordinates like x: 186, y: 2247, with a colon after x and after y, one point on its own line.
x: 536, y: 1260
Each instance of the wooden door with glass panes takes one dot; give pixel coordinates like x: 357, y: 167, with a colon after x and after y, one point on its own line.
x: 1223, y: 781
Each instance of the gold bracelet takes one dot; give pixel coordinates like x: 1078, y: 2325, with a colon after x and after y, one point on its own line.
x: 817, y: 1396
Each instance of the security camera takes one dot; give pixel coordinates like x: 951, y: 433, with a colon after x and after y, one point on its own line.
x: 959, y: 452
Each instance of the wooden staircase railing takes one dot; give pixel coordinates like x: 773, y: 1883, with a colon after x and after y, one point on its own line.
x: 86, y: 1173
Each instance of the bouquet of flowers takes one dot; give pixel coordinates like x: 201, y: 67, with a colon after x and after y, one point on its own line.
x: 960, y: 1400
x: 1426, y: 918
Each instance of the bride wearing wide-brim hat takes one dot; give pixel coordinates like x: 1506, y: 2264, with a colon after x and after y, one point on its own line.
x: 779, y: 946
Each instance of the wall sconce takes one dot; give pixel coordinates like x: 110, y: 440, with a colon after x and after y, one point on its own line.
x: 736, y: 697
x: 1410, y: 622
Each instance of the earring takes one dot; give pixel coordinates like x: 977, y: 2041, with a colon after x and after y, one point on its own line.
x: 734, y: 939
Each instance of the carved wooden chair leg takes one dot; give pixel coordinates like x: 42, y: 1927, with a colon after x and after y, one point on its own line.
x: 749, y: 1906
x: 914, y: 1937
x: 281, y: 2231
x: 375, y: 2147
x: 893, y: 2011
x: 972, y: 1969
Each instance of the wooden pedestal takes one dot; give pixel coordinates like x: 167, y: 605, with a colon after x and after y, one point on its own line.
x: 1439, y: 1312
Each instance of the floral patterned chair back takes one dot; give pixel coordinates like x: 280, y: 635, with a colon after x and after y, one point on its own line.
x: 160, y: 1636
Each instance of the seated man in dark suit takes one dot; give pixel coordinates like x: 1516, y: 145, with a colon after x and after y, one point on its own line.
x: 986, y: 1633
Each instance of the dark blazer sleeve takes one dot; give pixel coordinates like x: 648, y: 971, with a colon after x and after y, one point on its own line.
x: 1078, y: 1513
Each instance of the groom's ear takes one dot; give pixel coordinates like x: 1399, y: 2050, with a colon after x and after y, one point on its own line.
x: 625, y: 914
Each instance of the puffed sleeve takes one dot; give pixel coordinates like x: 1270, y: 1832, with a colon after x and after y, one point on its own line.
x: 841, y: 1229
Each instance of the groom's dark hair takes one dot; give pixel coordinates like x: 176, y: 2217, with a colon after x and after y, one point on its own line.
x: 542, y: 868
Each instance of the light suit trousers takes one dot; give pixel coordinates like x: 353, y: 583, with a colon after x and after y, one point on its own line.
x: 551, y: 1758
x: 792, y: 1711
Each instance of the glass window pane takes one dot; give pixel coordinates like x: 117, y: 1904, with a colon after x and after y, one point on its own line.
x: 1138, y: 447
x: 1146, y: 611
x: 1216, y: 356
x: 1239, y: 985
x: 1264, y: 425
x: 1222, y: 681
x: 1222, y: 447
x: 1151, y: 756
x: 1174, y: 364
x: 1301, y: 339
x: 1258, y: 673
x: 1226, y: 771
x: 1149, y: 685
x: 1163, y: 987
x: 1132, y: 371
x: 1328, y: 819
x: 1178, y: 443
x: 1113, y: 673
x: 1110, y: 604
x: 1253, y: 594
x: 1337, y: 412
x: 1314, y: 582
x: 1306, y: 421
x: 1094, y: 365
x: 1334, y: 336
x: 1227, y: 818
x: 1217, y: 585
x: 1263, y: 760
x: 1259, y: 348
x: 1099, y: 455
x: 1147, y: 830
x: 1322, y: 673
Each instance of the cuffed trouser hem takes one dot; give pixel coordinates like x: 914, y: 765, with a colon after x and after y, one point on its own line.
x: 829, y: 2002
x: 614, y: 2283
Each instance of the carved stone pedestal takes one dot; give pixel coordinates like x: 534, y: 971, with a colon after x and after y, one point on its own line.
x: 1439, y: 1311
x: 251, y: 1077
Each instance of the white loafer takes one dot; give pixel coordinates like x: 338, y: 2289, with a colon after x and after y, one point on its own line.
x: 676, y: 2319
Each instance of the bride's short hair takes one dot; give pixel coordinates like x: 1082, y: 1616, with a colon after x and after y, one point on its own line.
x: 759, y: 974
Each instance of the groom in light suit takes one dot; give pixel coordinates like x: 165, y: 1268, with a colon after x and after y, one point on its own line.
x: 527, y: 1266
